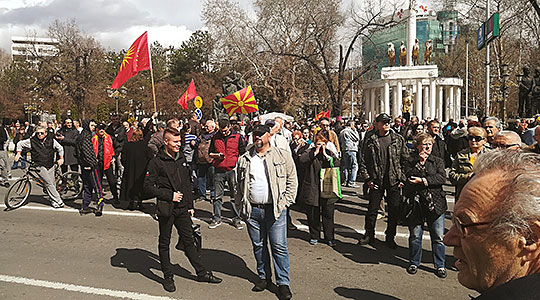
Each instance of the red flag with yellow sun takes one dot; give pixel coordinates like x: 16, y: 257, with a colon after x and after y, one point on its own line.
x: 137, y: 59
x: 241, y: 102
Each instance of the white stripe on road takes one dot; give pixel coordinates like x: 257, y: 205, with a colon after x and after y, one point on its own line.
x: 81, y: 288
x: 136, y: 214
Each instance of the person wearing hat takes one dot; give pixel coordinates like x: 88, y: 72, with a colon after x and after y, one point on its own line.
x: 384, y: 155
x: 266, y: 186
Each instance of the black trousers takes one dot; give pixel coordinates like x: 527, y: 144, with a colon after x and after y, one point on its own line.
x: 182, y: 221
x: 111, y: 180
x: 314, y: 214
x: 74, y: 168
x: 392, y: 198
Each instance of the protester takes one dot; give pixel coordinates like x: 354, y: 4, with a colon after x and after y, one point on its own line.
x: 439, y: 144
x: 103, y: 148
x: 349, y: 139
x: 88, y: 161
x: 135, y: 158
x: 20, y: 136
x: 324, y: 124
x: 384, y: 153
x: 67, y: 137
x: 536, y: 146
x: 496, y: 227
x: 493, y: 126
x: 42, y: 147
x: 425, y: 178
x: 118, y: 135
x: 168, y: 181
x: 205, y: 169
x: 225, y: 149
x: 313, y: 160
x: 506, y: 139
x: 4, y: 171
x: 267, y: 185
x: 462, y: 167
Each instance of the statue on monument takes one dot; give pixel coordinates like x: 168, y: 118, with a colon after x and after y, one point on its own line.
x: 525, y: 91
x: 233, y: 83
x: 427, y: 53
x: 391, y: 55
x: 407, y: 103
x: 535, y: 99
x: 415, y: 52
x: 402, y: 54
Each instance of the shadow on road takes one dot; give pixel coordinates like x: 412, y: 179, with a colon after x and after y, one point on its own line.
x: 357, y: 294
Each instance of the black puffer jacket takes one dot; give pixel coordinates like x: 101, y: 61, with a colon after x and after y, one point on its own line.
x: 435, y: 175
x: 84, y: 150
x: 165, y: 176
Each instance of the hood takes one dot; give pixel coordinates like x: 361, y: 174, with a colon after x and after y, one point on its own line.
x: 458, y: 133
x: 85, y: 124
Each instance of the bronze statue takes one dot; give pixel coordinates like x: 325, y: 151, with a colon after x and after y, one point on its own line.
x: 525, y: 91
x: 402, y: 54
x: 233, y: 83
x: 535, y: 97
x: 391, y: 55
x: 415, y: 52
x: 407, y: 103
x: 427, y: 52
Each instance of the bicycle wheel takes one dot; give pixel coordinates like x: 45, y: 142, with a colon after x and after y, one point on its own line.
x: 69, y: 185
x: 18, y: 193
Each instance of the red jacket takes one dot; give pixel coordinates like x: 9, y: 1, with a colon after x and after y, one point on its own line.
x: 108, y: 150
x: 232, y: 146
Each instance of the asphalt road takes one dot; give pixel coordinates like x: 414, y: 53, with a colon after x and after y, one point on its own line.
x: 57, y: 254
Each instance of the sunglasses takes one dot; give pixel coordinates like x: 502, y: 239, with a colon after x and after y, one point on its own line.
x: 475, y: 138
x: 40, y: 133
x: 462, y: 228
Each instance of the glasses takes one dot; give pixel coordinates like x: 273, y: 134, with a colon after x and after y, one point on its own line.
x: 40, y: 133
x: 325, y: 125
x: 503, y: 146
x: 475, y: 138
x: 462, y: 228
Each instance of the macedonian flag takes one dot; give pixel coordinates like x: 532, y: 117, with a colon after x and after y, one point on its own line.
x: 136, y: 59
x: 241, y: 102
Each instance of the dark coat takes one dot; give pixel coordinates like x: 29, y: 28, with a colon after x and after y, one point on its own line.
x: 135, y: 158
x: 524, y: 288
x: 69, y: 142
x: 300, y: 168
x: 310, y: 186
x: 440, y: 150
x: 118, y: 135
x: 435, y: 176
x: 84, y: 150
x: 164, y: 177
x: 371, y: 165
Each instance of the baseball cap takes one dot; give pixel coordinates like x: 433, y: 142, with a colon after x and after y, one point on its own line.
x: 385, y: 118
x: 261, y: 129
x: 270, y: 123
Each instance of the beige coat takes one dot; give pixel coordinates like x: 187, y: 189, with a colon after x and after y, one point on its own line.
x: 282, y: 176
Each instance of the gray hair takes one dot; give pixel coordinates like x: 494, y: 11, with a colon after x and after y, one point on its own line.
x: 516, y: 139
x: 498, y: 123
x: 518, y: 202
x: 40, y: 127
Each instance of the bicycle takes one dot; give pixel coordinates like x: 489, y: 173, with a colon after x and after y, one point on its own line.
x: 69, y: 186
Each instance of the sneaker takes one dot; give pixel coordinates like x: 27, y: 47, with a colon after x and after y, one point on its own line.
x: 85, y: 211
x: 238, y: 224
x: 209, y: 277
x: 366, y: 240
x: 391, y: 243
x: 260, y: 285
x: 412, y: 269
x: 99, y: 211
x: 285, y: 292
x: 61, y: 205
x: 214, y: 224
x: 332, y: 243
x: 313, y: 241
x: 441, y: 272
x: 353, y: 185
x: 168, y: 285
x: 5, y: 184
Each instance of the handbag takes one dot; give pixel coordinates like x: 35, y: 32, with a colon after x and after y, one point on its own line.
x: 409, y: 207
x: 331, y: 182
x: 197, y: 238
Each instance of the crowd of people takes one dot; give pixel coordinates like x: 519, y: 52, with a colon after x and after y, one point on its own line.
x: 267, y: 165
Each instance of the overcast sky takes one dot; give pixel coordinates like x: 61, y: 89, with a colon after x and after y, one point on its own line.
x: 115, y: 23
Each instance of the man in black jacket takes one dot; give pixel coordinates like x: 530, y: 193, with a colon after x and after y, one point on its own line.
x: 67, y: 137
x: 439, y: 144
x: 384, y: 154
x: 168, y: 179
x: 119, y: 137
x: 89, y: 163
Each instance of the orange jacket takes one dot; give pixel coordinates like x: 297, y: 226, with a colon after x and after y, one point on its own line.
x: 108, y: 150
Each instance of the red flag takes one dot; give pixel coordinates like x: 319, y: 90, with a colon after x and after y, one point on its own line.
x: 242, y: 101
x: 327, y: 114
x: 188, y: 95
x: 136, y: 59
x: 322, y: 114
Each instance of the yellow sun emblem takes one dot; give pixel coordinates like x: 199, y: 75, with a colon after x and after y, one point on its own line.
x: 127, y: 57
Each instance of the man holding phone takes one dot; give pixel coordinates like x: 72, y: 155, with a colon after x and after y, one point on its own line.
x: 168, y: 179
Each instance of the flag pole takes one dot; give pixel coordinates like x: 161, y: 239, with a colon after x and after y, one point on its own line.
x: 152, y: 77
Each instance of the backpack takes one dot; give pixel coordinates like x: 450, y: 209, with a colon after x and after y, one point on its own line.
x: 202, y: 152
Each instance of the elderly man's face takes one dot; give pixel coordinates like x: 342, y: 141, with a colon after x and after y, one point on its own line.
x: 505, y: 142
x: 491, y: 129
x: 484, y: 260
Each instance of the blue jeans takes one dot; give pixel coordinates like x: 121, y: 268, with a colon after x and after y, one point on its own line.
x: 262, y: 226
x: 205, y: 174
x: 349, y: 167
x: 219, y: 185
x: 436, y: 232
